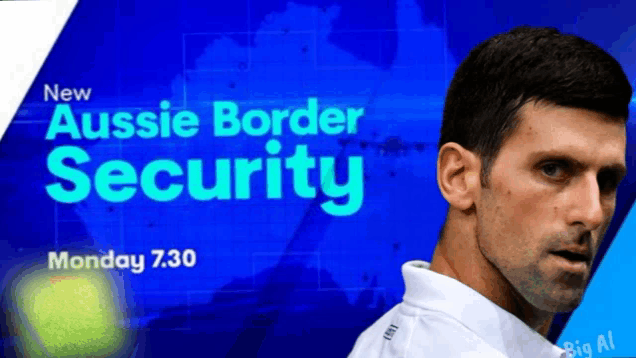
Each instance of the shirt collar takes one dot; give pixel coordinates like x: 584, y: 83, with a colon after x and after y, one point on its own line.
x: 498, y: 327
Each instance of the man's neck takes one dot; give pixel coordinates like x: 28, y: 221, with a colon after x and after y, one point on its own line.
x: 457, y: 256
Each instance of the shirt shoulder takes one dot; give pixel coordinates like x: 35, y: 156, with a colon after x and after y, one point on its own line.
x: 409, y: 332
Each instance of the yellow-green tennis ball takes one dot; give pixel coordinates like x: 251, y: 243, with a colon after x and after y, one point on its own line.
x: 70, y: 316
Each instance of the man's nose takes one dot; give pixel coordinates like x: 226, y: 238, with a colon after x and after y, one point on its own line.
x: 587, y: 207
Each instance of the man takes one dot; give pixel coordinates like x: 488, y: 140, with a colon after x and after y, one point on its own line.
x: 531, y: 152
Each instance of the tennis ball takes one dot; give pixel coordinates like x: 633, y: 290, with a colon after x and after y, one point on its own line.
x: 69, y: 316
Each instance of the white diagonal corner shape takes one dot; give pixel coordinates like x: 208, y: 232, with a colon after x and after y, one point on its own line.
x: 28, y: 30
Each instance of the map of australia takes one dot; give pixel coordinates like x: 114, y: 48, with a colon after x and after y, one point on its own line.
x: 290, y: 60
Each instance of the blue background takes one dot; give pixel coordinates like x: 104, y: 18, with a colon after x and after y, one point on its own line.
x: 274, y: 278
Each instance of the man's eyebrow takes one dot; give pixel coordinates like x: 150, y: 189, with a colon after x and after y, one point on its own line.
x: 619, y: 168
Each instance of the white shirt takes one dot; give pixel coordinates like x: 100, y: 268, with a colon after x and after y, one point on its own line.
x: 442, y: 317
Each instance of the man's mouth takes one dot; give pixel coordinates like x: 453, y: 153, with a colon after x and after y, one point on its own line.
x: 575, y: 262
x: 572, y: 256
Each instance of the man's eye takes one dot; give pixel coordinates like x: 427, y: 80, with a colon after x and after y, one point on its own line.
x: 607, y: 182
x: 554, y: 170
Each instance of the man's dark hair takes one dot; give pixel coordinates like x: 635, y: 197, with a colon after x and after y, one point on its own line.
x: 527, y: 64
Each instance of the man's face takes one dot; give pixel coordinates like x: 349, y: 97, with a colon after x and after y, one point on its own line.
x: 552, y: 188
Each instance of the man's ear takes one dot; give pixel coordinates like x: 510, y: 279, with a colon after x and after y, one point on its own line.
x: 458, y: 175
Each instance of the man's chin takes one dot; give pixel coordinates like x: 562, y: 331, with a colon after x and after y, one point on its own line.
x: 561, y: 302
